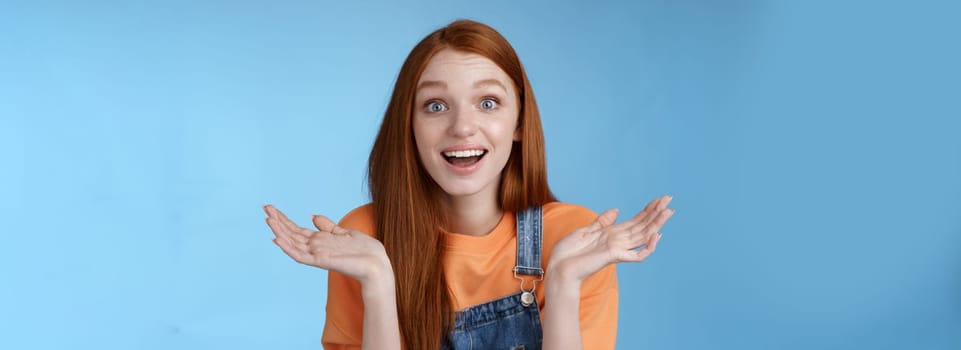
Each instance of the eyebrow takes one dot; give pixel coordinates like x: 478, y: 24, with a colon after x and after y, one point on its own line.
x: 478, y: 84
x: 489, y: 82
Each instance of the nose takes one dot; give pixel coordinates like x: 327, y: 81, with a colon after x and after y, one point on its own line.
x: 463, y: 123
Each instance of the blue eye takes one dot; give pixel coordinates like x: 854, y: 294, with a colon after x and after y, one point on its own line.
x: 436, y: 107
x: 488, y: 103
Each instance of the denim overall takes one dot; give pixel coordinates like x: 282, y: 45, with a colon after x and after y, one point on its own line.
x: 512, y: 322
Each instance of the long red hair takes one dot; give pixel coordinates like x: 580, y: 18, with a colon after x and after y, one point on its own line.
x: 407, y: 202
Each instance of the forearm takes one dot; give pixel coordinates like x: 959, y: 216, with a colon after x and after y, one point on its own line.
x: 562, y: 327
x: 381, y: 328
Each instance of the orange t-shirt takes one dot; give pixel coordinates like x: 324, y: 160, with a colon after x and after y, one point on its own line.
x: 480, y: 269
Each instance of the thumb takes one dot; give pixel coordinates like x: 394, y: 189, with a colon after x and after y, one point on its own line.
x: 607, y: 218
x: 323, y: 223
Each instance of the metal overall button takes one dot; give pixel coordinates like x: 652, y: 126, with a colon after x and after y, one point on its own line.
x: 527, y: 296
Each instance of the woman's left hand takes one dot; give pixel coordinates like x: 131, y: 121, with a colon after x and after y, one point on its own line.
x: 589, y: 249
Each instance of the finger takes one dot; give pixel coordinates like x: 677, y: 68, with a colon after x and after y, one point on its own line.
x: 660, y: 206
x: 607, y: 218
x: 665, y: 201
x: 325, y: 224
x: 276, y: 227
x: 291, y: 226
x: 642, y: 254
x: 654, y: 240
x: 659, y: 221
x: 282, y: 218
x: 654, y: 204
x: 647, y: 209
x: 276, y: 214
x: 643, y: 232
x: 640, y: 240
x: 650, y: 213
x: 271, y: 210
x: 650, y: 209
x: 294, y: 253
x: 282, y: 231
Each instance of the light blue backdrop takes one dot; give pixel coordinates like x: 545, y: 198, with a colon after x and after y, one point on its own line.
x: 812, y: 149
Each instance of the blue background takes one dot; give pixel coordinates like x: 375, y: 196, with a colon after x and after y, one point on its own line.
x: 812, y: 148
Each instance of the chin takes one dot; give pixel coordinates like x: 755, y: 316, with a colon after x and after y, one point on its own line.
x: 462, y: 189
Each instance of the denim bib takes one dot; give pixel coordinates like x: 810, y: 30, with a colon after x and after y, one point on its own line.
x: 512, y: 322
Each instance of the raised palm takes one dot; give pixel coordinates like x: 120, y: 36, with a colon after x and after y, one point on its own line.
x: 331, y: 247
x: 589, y: 249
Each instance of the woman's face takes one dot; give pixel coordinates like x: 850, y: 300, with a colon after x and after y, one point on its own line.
x: 465, y: 122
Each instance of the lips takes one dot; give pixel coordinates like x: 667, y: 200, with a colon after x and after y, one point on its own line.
x: 464, y: 159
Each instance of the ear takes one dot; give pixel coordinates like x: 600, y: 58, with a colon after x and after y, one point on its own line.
x: 518, y: 134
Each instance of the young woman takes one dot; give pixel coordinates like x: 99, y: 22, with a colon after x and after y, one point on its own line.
x: 463, y: 245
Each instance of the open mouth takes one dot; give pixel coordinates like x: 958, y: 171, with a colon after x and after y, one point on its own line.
x: 464, y: 158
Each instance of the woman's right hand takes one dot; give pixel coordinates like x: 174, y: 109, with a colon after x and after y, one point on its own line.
x: 331, y: 247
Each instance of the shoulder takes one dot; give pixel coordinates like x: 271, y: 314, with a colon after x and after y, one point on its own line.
x: 561, y: 218
x: 559, y: 213
x: 360, y: 219
x: 565, y: 209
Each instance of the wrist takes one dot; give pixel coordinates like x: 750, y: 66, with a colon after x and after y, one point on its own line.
x: 379, y: 282
x: 563, y: 273
x: 559, y: 280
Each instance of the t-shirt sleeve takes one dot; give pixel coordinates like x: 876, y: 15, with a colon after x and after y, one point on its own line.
x: 599, y: 294
x: 344, y: 322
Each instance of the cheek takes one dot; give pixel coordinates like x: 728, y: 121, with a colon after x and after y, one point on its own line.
x: 423, y: 139
x: 514, y: 129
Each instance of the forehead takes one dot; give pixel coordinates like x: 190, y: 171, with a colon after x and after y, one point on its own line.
x: 462, y: 67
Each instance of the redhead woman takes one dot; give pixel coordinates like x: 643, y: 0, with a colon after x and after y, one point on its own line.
x: 463, y: 245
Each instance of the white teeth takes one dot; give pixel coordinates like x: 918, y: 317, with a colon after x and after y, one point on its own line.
x: 464, y: 154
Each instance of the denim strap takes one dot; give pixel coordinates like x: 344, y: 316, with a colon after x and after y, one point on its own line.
x: 529, y: 242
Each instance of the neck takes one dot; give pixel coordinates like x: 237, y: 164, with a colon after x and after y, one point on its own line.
x: 475, y: 215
